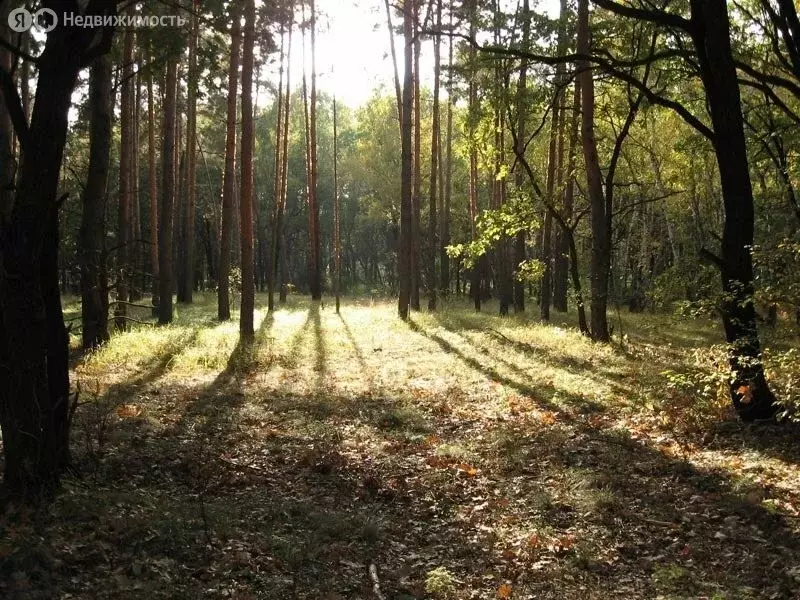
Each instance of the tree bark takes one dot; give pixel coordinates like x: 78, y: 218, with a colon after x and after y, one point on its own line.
x: 167, y: 209
x: 600, y: 243
x: 520, y: 242
x: 435, y: 138
x: 34, y: 389
x: 123, y: 249
x: 475, y: 284
x: 246, y: 317
x: 152, y: 177
x: 337, y: 239
x: 749, y: 390
x: 448, y: 177
x: 229, y: 181
x: 94, y: 285
x: 313, y: 203
x: 280, y: 133
x: 393, y: 50
x: 186, y: 282
x: 404, y: 256
x: 416, y: 229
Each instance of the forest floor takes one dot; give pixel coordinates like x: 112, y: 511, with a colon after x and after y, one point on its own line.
x: 457, y: 456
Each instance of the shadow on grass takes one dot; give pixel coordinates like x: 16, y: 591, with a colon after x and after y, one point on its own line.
x: 320, y: 347
x: 488, y: 371
x: 365, y: 369
x: 287, y: 495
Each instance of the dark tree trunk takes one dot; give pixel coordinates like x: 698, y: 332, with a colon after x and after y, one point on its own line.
x: 186, y: 281
x: 397, y: 90
x: 34, y: 390
x: 434, y: 183
x: 126, y: 149
x: 229, y: 182
x: 601, y: 248
x: 416, y: 228
x: 152, y: 177
x: 313, y: 202
x: 448, y: 177
x: 337, y: 226
x: 749, y: 390
x: 246, y: 316
x: 404, y: 254
x: 277, y: 188
x: 520, y: 241
x: 94, y: 287
x: 167, y: 210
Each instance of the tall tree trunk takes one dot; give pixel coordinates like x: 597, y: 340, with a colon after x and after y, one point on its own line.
x: 94, y: 286
x: 749, y: 390
x: 229, y: 181
x: 561, y: 245
x: 448, y: 183
x: 137, y: 281
x: 313, y: 203
x: 126, y: 149
x: 337, y: 239
x: 475, y: 285
x: 278, y: 183
x: 167, y: 209
x: 600, y: 243
x: 152, y: 178
x: 34, y: 391
x: 435, y: 148
x: 404, y: 256
x: 280, y: 254
x: 416, y: 230
x: 186, y: 283
x: 504, y: 282
x: 546, y: 250
x: 520, y: 242
x: 393, y: 50
x: 246, y: 317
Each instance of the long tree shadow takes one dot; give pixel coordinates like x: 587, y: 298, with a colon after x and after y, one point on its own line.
x: 265, y: 494
x: 488, y: 371
x: 366, y: 370
x: 320, y: 347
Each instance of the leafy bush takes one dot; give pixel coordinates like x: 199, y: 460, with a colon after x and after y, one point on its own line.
x: 698, y: 394
x: 783, y: 374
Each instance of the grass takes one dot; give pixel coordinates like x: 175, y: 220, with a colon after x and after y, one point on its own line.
x: 463, y: 455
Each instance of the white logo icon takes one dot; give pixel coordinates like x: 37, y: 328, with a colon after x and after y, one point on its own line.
x: 45, y: 20
x: 20, y: 20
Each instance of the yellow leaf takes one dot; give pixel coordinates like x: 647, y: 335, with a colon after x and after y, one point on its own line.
x: 468, y: 470
x: 746, y: 394
x: 504, y: 591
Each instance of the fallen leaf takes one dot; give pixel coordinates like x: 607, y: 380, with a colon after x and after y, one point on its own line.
x: 128, y: 411
x: 504, y: 591
x: 468, y: 470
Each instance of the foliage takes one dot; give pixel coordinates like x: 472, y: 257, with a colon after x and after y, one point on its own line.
x: 783, y: 371
x: 697, y: 394
x: 494, y: 226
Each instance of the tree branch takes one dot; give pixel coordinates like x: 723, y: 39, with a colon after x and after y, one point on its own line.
x: 658, y: 17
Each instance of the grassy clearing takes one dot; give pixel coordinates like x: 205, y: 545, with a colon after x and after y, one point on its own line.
x: 463, y: 455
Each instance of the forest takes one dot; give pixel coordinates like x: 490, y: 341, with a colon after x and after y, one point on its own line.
x: 400, y: 299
